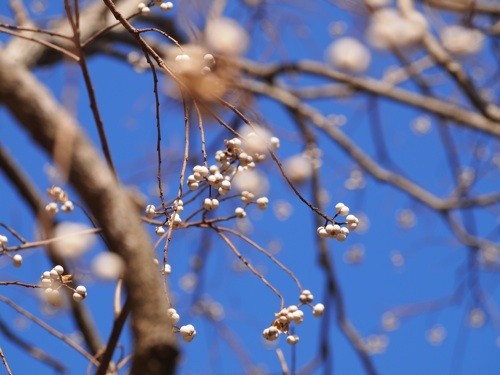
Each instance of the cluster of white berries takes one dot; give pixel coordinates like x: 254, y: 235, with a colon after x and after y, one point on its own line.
x: 213, y: 176
x: 17, y: 259
x: 59, y: 196
x: 246, y: 159
x: 231, y: 160
x: 204, y: 65
x: 262, y: 202
x: 240, y: 212
x: 292, y: 314
x: 334, y: 229
x: 54, y: 279
x: 165, y: 6
x: 187, y: 331
x: 210, y: 204
x: 173, y: 218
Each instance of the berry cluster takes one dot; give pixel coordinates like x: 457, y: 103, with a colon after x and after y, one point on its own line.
x: 17, y: 259
x: 164, y: 6
x: 52, y: 281
x: 59, y: 197
x: 173, y: 217
x: 231, y: 160
x: 187, y: 331
x: 335, y: 229
x: 292, y: 314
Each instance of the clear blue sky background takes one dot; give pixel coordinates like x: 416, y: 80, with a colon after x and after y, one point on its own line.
x: 434, y: 262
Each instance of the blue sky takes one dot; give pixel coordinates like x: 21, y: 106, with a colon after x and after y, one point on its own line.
x: 435, y: 263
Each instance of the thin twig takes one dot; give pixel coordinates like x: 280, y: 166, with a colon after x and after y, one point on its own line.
x: 88, y: 84
x: 249, y: 265
x: 265, y: 252
x: 5, y: 363
x: 19, y: 283
x: 45, y: 43
x: 72, y: 344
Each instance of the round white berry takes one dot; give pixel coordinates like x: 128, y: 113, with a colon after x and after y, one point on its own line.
x: 262, y: 202
x: 67, y: 206
x: 207, y: 204
x: 166, y: 6
x: 292, y: 339
x: 3, y: 240
x: 54, y: 275
x: 342, y: 209
x: 150, y: 211
x: 298, y: 316
x: 341, y: 237
x: 77, y: 297
x: 17, y: 260
x: 59, y: 269
x: 215, y: 203
x: 167, y: 269
x: 318, y: 309
x: 80, y: 289
x: 321, y: 231
x: 46, y: 283
x: 51, y: 207
x: 240, y: 212
x: 275, y: 143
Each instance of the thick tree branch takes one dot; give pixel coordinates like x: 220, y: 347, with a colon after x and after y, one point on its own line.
x: 37, y: 111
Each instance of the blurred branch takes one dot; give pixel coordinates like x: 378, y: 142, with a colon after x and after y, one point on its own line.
x: 92, y: 19
x: 49, y: 329
x: 365, y: 161
x: 466, y: 6
x: 32, y: 350
x: 34, y: 200
x: 326, y: 263
x: 38, y: 112
x: 453, y: 68
x: 460, y: 116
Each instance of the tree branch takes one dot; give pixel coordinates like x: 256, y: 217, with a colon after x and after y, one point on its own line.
x: 38, y: 112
